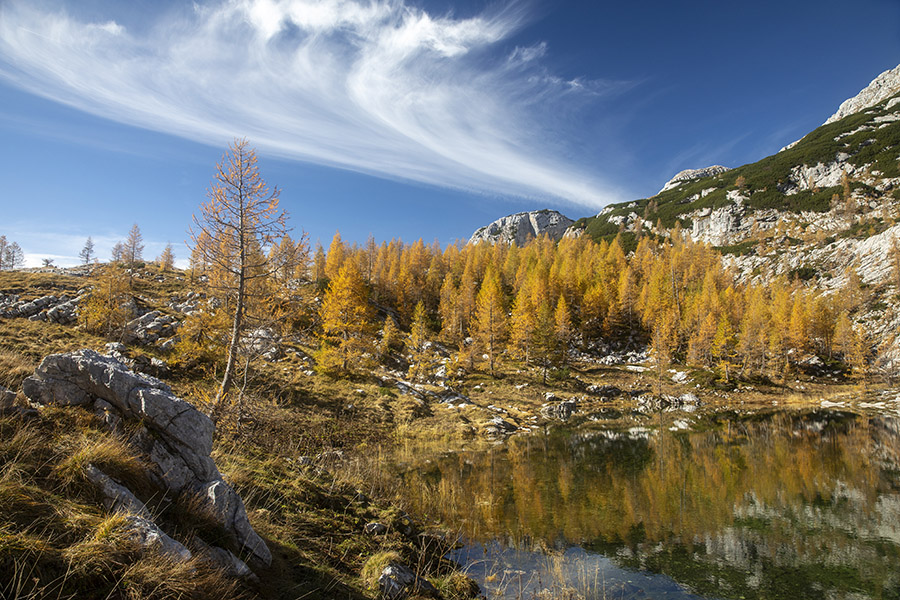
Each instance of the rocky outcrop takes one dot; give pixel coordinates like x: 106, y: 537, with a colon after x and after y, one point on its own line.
x: 150, y: 328
x: 176, y: 436
x: 692, y: 174
x: 521, y: 227
x: 55, y: 309
x: 881, y: 88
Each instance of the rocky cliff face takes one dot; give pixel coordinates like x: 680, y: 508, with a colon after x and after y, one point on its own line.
x: 882, y: 87
x: 521, y: 227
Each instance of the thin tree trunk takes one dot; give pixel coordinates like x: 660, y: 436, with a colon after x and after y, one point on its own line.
x: 228, y: 377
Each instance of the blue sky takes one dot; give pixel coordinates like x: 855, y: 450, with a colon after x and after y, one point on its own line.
x: 399, y: 118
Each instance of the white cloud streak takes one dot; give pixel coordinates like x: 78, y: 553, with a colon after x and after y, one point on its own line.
x: 374, y: 86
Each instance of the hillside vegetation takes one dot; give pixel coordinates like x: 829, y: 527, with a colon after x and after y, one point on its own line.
x: 864, y: 145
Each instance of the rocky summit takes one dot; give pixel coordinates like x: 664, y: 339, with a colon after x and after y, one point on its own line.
x: 692, y: 174
x: 521, y: 227
x: 881, y: 88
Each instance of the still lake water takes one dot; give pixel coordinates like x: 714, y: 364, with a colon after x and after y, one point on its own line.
x: 771, y: 504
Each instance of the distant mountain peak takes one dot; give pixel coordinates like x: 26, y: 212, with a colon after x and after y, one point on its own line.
x: 691, y: 174
x: 881, y: 88
x: 521, y: 227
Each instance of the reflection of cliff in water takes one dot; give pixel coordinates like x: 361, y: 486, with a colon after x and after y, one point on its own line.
x: 767, y: 505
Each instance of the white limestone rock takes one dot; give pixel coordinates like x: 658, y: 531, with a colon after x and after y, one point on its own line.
x: 116, y: 497
x: 881, y: 88
x: 177, y: 437
x: 691, y: 174
x: 521, y: 227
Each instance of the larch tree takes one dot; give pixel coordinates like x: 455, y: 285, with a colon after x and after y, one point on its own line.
x: 544, y: 341
x: 563, y: 328
x: 11, y: 255
x: 166, y: 260
x: 87, y: 253
x: 521, y: 327
x: 416, y: 344
x: 490, y: 318
x: 346, y: 321
x: 240, y: 218
x: 336, y: 256
x: 391, y: 338
x: 118, y: 253
x: 319, y: 260
x: 664, y: 341
x: 134, y: 246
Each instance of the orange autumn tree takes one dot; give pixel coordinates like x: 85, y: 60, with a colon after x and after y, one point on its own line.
x: 490, y: 319
x: 346, y: 322
x: 240, y: 218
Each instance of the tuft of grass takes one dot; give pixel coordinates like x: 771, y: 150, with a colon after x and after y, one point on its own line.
x: 107, y: 452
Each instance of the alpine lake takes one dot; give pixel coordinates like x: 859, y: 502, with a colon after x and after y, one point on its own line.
x: 765, y: 502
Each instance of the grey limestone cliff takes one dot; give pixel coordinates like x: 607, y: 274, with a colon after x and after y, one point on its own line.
x: 521, y: 227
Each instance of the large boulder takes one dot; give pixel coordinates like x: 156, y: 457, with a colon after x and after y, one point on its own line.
x: 177, y: 437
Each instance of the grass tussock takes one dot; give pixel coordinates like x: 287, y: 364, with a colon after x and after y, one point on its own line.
x: 109, y: 453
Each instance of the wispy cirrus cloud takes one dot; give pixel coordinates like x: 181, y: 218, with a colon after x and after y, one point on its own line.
x: 375, y: 86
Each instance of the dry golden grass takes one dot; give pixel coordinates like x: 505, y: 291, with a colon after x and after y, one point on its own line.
x: 109, y: 453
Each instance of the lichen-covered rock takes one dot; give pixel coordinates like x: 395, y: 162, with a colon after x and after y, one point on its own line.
x: 147, y: 535
x: 176, y: 436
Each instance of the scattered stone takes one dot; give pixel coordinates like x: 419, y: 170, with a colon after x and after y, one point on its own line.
x: 225, y: 560
x: 560, y: 411
x: 398, y: 582
x: 652, y: 403
x: 605, y: 392
x: 501, y: 426
x: 680, y: 377
x: 7, y: 400
x: 330, y: 456
x: 62, y: 310
x: 149, y: 328
x: 375, y: 528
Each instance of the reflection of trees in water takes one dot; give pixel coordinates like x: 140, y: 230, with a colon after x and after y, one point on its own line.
x: 753, y: 499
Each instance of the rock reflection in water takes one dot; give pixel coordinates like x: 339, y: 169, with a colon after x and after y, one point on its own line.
x: 782, y: 504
